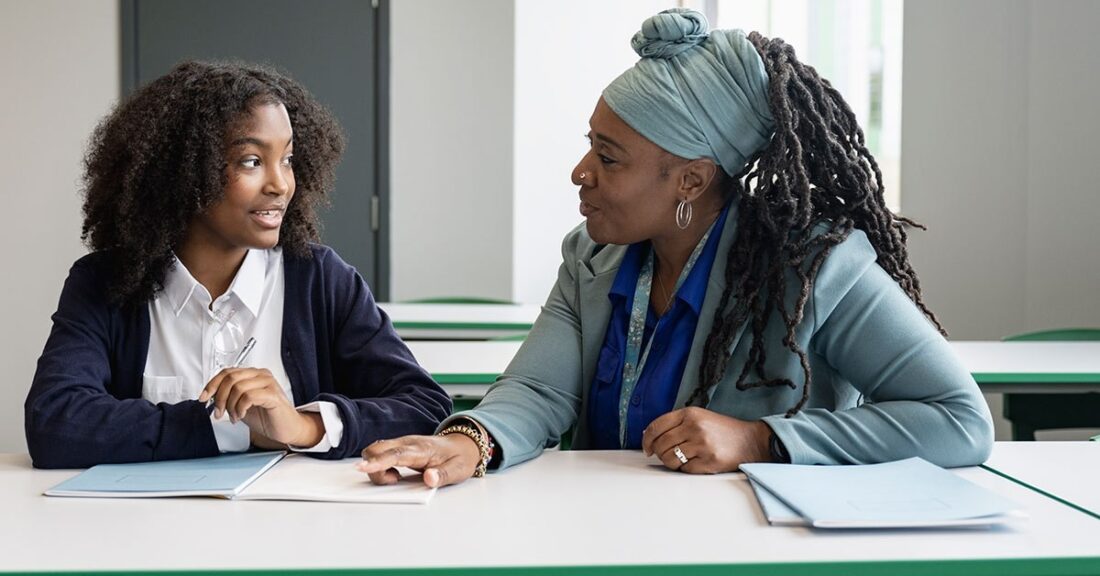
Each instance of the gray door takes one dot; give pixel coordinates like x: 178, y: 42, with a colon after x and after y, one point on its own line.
x: 332, y: 47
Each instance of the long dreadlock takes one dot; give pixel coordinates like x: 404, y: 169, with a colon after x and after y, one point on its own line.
x: 816, y: 169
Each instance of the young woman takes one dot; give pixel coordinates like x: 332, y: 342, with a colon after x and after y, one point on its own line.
x: 739, y: 291
x: 205, y: 287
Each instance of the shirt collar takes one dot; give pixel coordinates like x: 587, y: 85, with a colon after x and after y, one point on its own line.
x: 694, y: 289
x: 248, y: 285
x: 629, y: 269
x: 179, y: 286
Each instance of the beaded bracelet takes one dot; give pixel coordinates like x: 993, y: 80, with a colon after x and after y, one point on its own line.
x: 484, y: 434
x: 483, y: 441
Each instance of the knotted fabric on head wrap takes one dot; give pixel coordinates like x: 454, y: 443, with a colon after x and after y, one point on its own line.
x: 694, y: 94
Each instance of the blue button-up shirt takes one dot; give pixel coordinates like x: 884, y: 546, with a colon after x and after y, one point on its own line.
x: 655, y: 391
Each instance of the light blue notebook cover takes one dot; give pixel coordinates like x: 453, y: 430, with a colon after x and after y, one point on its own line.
x: 777, y: 513
x: 907, y: 493
x: 224, y: 476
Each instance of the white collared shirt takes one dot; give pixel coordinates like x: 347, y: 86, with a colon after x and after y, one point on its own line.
x: 185, y: 328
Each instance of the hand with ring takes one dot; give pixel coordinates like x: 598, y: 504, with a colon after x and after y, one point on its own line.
x: 699, y: 441
x: 680, y: 455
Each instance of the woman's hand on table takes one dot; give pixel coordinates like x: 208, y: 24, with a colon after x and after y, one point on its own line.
x: 709, y: 441
x: 444, y: 460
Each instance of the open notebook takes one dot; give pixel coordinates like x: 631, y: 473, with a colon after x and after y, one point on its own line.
x: 911, y: 493
x: 248, y: 476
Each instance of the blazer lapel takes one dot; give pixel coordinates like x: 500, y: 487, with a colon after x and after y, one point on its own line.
x: 594, y: 279
x: 715, y: 286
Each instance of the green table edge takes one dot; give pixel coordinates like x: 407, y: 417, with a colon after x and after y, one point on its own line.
x: 1036, y: 377
x: 465, y: 378
x: 981, y: 378
x: 410, y: 325
x: 965, y: 567
x: 1038, y: 490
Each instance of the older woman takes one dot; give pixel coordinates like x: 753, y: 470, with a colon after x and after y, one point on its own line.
x: 739, y: 291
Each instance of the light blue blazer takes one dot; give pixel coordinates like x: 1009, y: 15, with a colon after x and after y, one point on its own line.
x: 885, y: 385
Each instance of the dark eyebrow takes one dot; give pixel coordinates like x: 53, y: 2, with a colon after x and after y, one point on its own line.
x: 255, y: 142
x: 605, y: 140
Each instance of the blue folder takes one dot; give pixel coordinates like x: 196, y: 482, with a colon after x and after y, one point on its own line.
x: 223, y: 476
x: 911, y: 493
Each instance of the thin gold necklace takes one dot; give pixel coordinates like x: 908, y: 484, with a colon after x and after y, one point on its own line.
x: 661, y: 285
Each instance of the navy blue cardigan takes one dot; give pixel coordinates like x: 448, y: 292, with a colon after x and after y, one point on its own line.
x: 85, y: 406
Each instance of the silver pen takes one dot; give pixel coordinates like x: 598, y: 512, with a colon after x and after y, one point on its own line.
x: 236, y: 364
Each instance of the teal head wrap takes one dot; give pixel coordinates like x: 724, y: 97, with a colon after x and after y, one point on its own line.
x: 694, y: 94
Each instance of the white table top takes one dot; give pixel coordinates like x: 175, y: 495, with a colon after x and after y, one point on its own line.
x: 997, y: 366
x: 563, y: 509
x: 1057, y: 366
x: 460, y: 321
x: 1066, y: 470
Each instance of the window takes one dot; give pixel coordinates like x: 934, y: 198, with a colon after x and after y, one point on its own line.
x: 855, y: 44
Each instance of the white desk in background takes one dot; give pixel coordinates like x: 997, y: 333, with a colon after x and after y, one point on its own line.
x: 460, y: 321
x: 562, y: 513
x: 468, y: 367
x: 1069, y: 471
x: 1042, y: 367
x: 464, y: 368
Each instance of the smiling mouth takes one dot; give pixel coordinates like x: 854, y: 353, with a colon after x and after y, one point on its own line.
x: 270, y: 219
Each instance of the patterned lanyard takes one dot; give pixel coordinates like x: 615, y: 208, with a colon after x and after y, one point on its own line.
x: 632, y: 367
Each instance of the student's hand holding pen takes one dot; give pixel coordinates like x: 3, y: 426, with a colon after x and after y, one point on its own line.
x: 252, y: 395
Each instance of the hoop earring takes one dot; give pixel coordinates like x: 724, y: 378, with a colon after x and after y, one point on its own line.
x: 683, y: 215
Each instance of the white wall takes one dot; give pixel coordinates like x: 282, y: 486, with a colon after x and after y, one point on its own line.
x: 1063, y: 239
x: 490, y: 101
x: 566, y: 53
x: 998, y: 149
x: 451, y: 137
x: 60, y: 62
x: 965, y: 160
x: 998, y: 159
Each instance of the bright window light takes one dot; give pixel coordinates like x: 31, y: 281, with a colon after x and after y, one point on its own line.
x: 855, y: 44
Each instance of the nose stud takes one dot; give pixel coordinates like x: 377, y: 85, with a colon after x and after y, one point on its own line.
x: 582, y: 175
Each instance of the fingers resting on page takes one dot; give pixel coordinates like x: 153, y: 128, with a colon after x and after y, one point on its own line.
x: 442, y: 459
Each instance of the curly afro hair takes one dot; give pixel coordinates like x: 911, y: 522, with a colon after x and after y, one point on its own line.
x: 158, y: 160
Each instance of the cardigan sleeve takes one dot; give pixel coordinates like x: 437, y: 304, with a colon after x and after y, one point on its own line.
x: 918, y: 398
x: 75, y: 415
x: 376, y: 383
